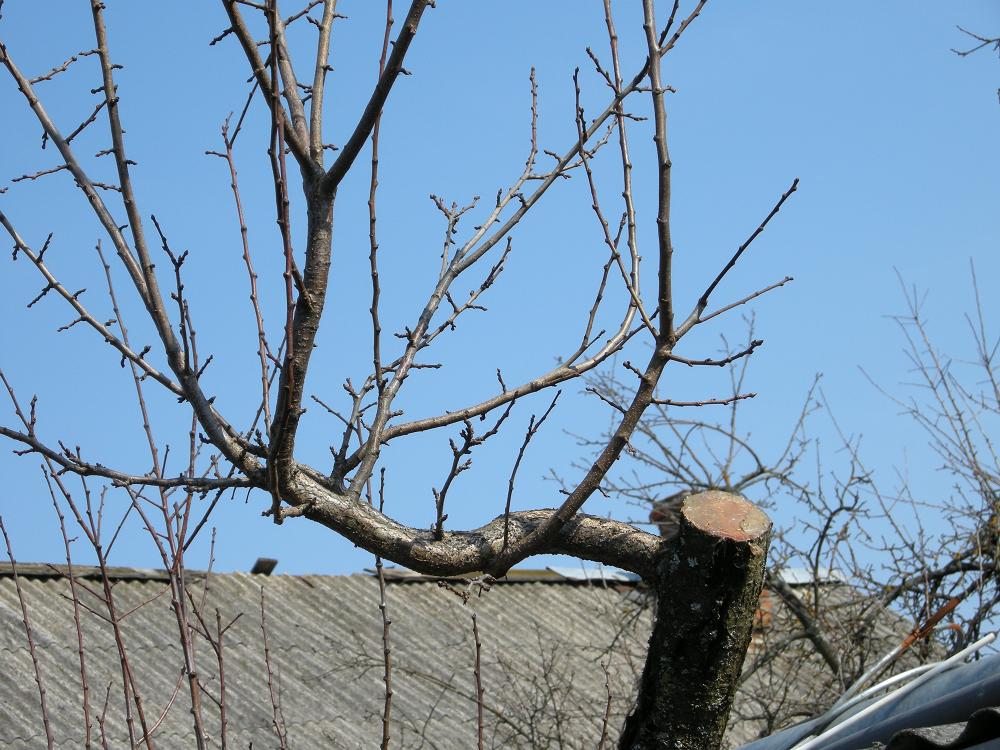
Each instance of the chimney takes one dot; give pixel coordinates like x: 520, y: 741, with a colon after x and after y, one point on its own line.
x: 264, y: 566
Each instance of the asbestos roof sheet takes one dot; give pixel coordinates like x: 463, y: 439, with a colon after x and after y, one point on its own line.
x: 542, y: 650
x: 559, y: 659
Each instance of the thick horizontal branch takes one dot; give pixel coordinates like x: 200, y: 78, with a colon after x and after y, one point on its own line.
x: 461, y: 552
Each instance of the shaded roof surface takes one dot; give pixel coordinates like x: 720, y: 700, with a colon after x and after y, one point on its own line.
x: 553, y: 649
x: 542, y: 649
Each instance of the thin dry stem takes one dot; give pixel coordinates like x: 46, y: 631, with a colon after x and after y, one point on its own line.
x: 29, y: 635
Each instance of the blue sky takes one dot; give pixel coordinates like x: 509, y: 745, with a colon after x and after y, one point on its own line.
x: 892, y: 136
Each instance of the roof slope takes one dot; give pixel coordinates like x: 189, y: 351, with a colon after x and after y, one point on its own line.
x: 545, y: 648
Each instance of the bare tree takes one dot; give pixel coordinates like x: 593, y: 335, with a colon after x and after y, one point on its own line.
x: 948, y: 569
x: 862, y: 552
x: 709, y: 604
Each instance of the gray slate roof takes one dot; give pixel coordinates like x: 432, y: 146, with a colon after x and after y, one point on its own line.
x: 543, y: 646
x: 546, y: 643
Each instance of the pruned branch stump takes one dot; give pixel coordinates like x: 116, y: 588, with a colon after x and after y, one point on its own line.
x: 708, y: 583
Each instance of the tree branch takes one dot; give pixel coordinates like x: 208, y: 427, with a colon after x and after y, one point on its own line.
x: 393, y: 68
x: 299, y: 149
x: 460, y: 552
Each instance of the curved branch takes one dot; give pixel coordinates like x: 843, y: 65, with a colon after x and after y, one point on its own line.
x: 809, y: 625
x: 461, y: 552
x: 554, y: 377
x: 552, y: 527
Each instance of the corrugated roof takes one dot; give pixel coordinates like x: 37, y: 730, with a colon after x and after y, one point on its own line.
x: 551, y: 574
x: 544, y: 644
x: 796, y: 576
x: 324, y: 635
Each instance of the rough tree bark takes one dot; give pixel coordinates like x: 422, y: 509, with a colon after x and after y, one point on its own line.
x: 707, y: 583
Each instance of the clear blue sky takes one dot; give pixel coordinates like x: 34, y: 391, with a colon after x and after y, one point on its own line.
x: 893, y: 136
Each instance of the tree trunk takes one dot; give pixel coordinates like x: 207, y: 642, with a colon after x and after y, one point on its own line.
x: 707, y: 586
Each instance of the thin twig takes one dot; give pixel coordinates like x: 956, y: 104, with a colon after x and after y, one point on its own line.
x: 277, y: 718
x: 61, y: 68
x: 47, y: 726
x: 696, y: 315
x: 372, y: 239
x: 85, y: 684
x: 533, y: 427
x: 469, y: 441
x: 606, y: 719
x: 706, y: 402
x: 477, y: 672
